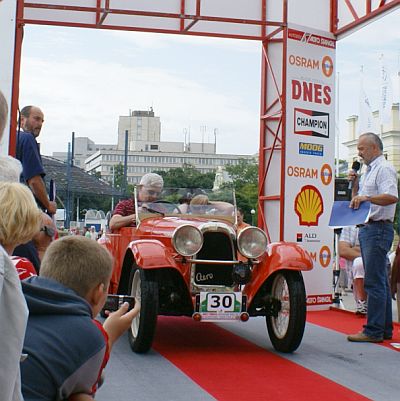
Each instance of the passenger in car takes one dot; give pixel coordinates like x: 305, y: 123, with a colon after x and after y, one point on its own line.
x: 149, y: 190
x: 200, y: 204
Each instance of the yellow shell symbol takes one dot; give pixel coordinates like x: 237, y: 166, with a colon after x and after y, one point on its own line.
x: 308, y: 205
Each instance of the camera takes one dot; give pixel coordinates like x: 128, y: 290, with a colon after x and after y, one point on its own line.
x: 114, y: 302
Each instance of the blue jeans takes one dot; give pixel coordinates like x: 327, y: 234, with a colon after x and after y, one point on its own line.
x: 375, y: 241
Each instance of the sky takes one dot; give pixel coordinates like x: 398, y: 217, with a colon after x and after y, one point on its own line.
x: 84, y: 79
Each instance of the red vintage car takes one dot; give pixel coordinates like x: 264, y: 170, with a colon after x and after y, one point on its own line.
x: 182, y: 259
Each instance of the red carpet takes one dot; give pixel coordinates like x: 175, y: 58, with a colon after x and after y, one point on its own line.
x: 231, y: 368
x: 347, y: 323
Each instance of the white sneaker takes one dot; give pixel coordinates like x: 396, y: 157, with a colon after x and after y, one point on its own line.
x: 361, y: 308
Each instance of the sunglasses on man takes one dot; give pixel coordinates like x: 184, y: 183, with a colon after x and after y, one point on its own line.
x: 48, y: 231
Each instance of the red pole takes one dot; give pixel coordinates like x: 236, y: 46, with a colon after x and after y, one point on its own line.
x: 19, y: 32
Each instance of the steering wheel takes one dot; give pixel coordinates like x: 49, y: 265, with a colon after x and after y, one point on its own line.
x: 173, y: 208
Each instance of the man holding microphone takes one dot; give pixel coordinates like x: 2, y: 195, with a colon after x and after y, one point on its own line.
x: 379, y: 186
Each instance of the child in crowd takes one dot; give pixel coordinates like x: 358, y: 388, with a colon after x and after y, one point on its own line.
x: 67, y: 349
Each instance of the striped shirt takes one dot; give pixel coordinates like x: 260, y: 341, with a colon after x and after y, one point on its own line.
x: 125, y: 207
x: 380, y: 178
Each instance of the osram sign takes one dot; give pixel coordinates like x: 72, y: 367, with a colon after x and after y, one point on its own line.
x: 325, y: 65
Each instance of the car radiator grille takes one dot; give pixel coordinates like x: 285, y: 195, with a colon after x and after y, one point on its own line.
x: 216, y: 246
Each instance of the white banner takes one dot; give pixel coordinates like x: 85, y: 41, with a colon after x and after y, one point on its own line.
x: 310, y: 153
x: 366, y: 118
x: 386, y: 93
x: 8, y: 11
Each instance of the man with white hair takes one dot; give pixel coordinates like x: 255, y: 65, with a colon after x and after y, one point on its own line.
x: 149, y: 189
x: 10, y: 169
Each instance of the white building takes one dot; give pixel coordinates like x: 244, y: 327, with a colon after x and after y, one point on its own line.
x: 390, y: 135
x: 83, y: 148
x: 146, y: 151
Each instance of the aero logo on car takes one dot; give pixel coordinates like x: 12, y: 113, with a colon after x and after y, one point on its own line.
x: 308, y: 205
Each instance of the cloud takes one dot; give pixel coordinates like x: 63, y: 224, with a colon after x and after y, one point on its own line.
x: 87, y: 97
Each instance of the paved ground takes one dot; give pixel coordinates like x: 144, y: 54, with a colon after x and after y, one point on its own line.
x: 348, y: 303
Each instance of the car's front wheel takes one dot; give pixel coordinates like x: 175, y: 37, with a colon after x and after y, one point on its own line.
x: 145, y: 289
x: 287, y: 319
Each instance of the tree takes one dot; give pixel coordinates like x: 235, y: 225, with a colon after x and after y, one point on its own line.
x: 187, y: 177
x: 245, y: 181
x: 246, y: 172
x: 118, y: 174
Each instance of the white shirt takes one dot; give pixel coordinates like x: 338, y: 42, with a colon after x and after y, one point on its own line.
x: 13, y: 319
x: 349, y: 234
x: 380, y: 178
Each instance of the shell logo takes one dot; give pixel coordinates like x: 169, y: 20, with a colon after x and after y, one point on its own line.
x: 324, y: 256
x: 308, y: 205
x: 326, y: 174
x: 327, y: 66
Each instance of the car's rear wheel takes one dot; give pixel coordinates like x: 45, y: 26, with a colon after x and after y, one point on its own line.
x: 144, y: 288
x: 287, y: 320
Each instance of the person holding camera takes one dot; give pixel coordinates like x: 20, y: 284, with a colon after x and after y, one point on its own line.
x: 67, y: 348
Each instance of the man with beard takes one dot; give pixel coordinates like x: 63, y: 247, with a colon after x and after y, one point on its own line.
x: 28, y: 153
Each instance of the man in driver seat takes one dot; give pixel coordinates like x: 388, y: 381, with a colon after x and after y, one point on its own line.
x: 149, y: 189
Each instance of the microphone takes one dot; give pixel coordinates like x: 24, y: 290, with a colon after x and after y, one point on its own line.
x: 355, y: 167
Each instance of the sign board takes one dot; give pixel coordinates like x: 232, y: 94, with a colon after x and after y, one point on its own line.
x: 310, y: 145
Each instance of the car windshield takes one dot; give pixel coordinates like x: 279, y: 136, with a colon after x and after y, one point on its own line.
x: 188, y: 202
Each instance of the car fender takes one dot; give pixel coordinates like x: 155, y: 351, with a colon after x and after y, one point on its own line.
x: 280, y: 256
x: 152, y: 254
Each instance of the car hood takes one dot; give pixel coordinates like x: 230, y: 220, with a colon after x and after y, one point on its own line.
x: 166, y: 226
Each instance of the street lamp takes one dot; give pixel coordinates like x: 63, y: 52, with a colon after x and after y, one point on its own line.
x: 253, y: 212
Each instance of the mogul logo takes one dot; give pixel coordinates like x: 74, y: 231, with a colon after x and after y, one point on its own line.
x: 324, y: 256
x: 311, y: 149
x: 327, y: 66
x: 326, y: 174
x: 302, y: 172
x: 311, y: 92
x: 308, y: 122
x: 308, y: 205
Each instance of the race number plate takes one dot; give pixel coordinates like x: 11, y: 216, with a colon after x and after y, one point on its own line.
x: 220, y: 306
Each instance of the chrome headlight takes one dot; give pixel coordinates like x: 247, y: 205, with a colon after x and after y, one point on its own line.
x: 187, y: 240
x: 252, y: 242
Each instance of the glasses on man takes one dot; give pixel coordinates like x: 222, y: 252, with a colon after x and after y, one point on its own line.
x: 151, y: 192
x: 48, y: 231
